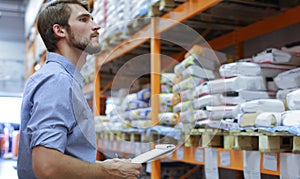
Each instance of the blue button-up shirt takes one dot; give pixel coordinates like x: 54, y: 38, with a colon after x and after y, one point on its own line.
x: 55, y: 114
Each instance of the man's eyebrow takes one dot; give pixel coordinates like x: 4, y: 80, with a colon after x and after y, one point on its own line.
x: 85, y: 15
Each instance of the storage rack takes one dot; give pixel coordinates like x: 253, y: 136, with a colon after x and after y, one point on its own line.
x: 152, y: 32
x: 186, y: 12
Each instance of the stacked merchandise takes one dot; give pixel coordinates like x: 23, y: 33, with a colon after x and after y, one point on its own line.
x: 244, y: 82
x: 115, y: 16
x: 136, y: 110
x: 280, y: 70
x: 128, y: 111
x: 198, y: 67
x: 167, y: 100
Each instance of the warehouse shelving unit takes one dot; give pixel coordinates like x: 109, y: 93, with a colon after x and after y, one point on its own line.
x: 152, y: 32
x: 148, y: 40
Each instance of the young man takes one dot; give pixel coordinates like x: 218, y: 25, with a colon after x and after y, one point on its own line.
x: 57, y: 131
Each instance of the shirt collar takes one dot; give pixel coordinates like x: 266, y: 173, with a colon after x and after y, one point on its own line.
x: 69, y: 67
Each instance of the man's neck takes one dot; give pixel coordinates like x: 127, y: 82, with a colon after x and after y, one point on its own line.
x: 76, y: 56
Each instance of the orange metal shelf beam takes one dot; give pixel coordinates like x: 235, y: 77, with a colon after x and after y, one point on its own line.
x: 155, y: 85
x: 267, y: 25
x: 179, y: 14
x: 236, y: 159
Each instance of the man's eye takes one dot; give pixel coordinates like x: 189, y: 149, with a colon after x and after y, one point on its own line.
x: 83, y: 19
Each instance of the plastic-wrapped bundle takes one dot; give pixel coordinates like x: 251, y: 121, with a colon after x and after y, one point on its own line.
x: 167, y: 78
x: 208, y: 58
x: 207, y: 100
x: 208, y: 62
x: 239, y: 83
x: 272, y: 55
x: 141, y: 113
x: 168, y: 119
x: 268, y: 119
x: 288, y: 79
x: 238, y: 97
x: 169, y: 99
x: 186, y: 95
x: 187, y: 116
x: 262, y: 105
x: 188, y: 83
x: 199, y: 72
x: 291, y: 118
x: 281, y: 94
x: 135, y: 104
x: 165, y: 108
x: 183, y: 106
x: 221, y: 112
x: 272, y: 70
x: 200, y: 115
x: 293, y: 100
x: 144, y: 94
x: 240, y: 68
x: 164, y: 88
x: 247, y: 119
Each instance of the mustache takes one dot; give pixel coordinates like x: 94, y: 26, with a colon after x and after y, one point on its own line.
x: 95, y: 34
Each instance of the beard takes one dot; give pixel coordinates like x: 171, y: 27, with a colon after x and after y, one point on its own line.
x: 84, y: 43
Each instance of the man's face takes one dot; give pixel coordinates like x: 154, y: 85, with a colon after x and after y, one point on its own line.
x: 82, y: 32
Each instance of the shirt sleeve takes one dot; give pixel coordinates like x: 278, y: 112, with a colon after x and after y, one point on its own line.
x: 52, y: 115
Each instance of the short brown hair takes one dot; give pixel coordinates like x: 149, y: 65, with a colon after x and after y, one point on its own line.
x: 57, y: 12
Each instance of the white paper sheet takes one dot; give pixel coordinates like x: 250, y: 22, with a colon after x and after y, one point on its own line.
x: 270, y: 161
x: 211, y: 163
x: 289, y: 166
x: 251, y: 165
x: 225, y: 158
x: 199, y: 155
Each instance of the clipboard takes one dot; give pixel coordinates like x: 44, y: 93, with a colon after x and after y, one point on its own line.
x: 158, y: 151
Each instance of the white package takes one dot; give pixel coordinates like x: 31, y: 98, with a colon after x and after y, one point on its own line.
x: 293, y: 100
x: 253, y: 83
x: 188, y: 83
x: 272, y: 70
x: 199, y: 72
x: 268, y: 119
x: 183, y: 106
x: 237, y: 97
x: 169, y: 99
x: 195, y: 59
x: 240, y: 68
x: 186, y: 95
x: 187, y: 116
x: 262, y: 105
x: 288, y: 79
x: 200, y: 114
x: 221, y: 112
x: 281, y: 94
x: 207, y: 100
x: 276, y: 56
x: 291, y: 118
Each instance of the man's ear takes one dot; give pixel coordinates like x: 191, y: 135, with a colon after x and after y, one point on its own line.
x: 58, y: 31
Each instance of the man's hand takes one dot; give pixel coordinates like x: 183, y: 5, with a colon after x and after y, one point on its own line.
x: 121, y: 168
